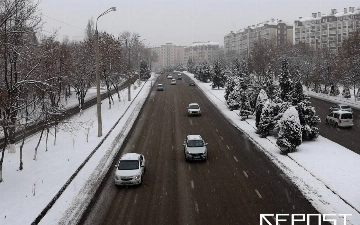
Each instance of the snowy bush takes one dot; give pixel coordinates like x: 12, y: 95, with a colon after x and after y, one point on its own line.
x: 290, y: 133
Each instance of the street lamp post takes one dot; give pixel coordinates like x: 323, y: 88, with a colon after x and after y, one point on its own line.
x: 98, y: 97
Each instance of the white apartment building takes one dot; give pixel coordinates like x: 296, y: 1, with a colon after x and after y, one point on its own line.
x: 242, y: 41
x: 327, y: 30
x: 169, y: 55
x: 202, y: 51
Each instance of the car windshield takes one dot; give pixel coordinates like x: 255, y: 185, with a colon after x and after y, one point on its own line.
x: 159, y: 85
x: 195, y: 143
x: 346, y: 116
x: 128, y: 165
x: 345, y: 107
x: 193, y: 107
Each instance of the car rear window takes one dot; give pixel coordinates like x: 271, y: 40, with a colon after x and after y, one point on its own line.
x: 193, y: 107
x: 195, y: 143
x: 346, y: 116
x: 128, y: 165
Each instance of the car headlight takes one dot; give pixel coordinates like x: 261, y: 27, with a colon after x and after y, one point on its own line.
x: 187, y: 152
x: 137, y: 177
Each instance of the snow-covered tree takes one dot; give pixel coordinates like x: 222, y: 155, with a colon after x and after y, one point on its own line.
x: 244, y: 105
x: 285, y: 81
x: 260, y: 101
x: 266, y: 122
x: 290, y: 133
x: 218, y: 77
x: 297, y: 93
x: 268, y: 84
x: 204, y: 72
x: 230, y: 84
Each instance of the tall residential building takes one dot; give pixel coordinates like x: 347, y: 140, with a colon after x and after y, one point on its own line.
x: 169, y: 55
x: 327, y: 30
x: 242, y: 41
x: 201, y: 51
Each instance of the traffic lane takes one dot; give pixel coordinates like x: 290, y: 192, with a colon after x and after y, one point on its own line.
x: 347, y: 137
x: 238, y: 182
x: 114, y: 205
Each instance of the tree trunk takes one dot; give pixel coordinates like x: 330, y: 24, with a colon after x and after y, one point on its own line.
x: 21, y: 147
x: 37, y: 146
x: 47, y: 138
x: 3, y: 152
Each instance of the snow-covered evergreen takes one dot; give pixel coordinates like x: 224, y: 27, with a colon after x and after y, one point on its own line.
x: 268, y: 84
x: 290, y: 133
x: 285, y: 82
x: 260, y: 101
x: 244, y: 105
x: 266, y: 122
x: 218, y: 77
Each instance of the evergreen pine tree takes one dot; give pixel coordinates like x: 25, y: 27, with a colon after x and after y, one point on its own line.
x: 290, y: 134
x: 260, y: 101
x: 285, y: 82
x: 244, y: 105
x: 268, y: 84
x: 297, y: 93
x: 266, y: 122
x: 308, y: 119
x: 218, y: 78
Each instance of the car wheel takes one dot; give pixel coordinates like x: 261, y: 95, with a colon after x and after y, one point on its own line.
x: 336, y: 125
x: 326, y: 121
x: 141, y: 181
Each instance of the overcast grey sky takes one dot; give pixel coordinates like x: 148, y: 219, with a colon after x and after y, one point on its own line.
x: 181, y: 22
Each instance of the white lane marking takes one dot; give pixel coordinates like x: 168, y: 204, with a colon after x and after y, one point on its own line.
x: 196, y: 207
x: 236, y: 159
x: 221, y: 138
x: 245, y: 174
x: 216, y: 130
x: 258, y: 193
x: 228, y: 147
x: 192, y: 184
x: 191, y: 123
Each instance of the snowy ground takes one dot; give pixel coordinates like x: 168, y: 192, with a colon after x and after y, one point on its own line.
x: 325, y: 172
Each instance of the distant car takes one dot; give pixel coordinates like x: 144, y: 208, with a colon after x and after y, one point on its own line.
x: 342, y: 107
x: 192, y: 83
x: 195, y: 148
x: 160, y: 87
x: 179, y: 76
x: 161, y: 72
x: 130, y: 169
x: 194, y: 109
x: 169, y: 76
x: 173, y: 82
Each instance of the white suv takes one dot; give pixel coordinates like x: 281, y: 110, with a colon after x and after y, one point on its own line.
x: 195, y: 148
x: 130, y: 169
x: 194, y: 109
x: 340, y: 119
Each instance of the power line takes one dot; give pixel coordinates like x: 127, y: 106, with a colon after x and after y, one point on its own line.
x: 63, y: 22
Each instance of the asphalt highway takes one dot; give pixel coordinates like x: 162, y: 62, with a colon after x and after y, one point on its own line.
x: 234, y: 186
